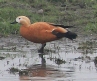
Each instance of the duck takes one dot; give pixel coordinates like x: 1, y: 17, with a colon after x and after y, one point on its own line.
x: 42, y: 32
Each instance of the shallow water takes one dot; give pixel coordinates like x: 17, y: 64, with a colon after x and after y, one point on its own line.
x: 62, y: 60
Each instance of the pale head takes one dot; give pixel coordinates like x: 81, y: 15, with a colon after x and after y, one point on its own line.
x: 23, y: 20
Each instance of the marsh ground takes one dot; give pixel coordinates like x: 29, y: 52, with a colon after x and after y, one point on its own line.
x: 62, y: 60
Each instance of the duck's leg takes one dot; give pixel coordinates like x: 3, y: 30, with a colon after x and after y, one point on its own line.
x: 42, y: 48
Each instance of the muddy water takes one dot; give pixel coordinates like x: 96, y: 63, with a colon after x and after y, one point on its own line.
x: 63, y: 60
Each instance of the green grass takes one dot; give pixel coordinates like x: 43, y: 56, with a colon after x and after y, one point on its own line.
x: 11, y: 9
x: 81, y: 13
x: 91, y: 27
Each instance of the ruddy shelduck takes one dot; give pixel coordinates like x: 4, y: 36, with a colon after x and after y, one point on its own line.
x: 42, y: 32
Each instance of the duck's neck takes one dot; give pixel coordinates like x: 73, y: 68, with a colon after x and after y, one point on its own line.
x: 25, y: 23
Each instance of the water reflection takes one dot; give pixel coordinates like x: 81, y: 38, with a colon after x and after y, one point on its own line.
x: 42, y: 70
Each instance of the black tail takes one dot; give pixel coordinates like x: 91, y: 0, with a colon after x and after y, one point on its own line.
x: 69, y: 35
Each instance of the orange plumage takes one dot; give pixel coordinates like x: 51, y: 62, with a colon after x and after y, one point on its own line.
x: 42, y: 32
x: 39, y: 32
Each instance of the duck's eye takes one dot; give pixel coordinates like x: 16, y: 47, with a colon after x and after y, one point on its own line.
x: 19, y: 18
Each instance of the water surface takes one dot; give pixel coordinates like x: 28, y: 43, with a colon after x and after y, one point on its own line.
x: 62, y: 60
